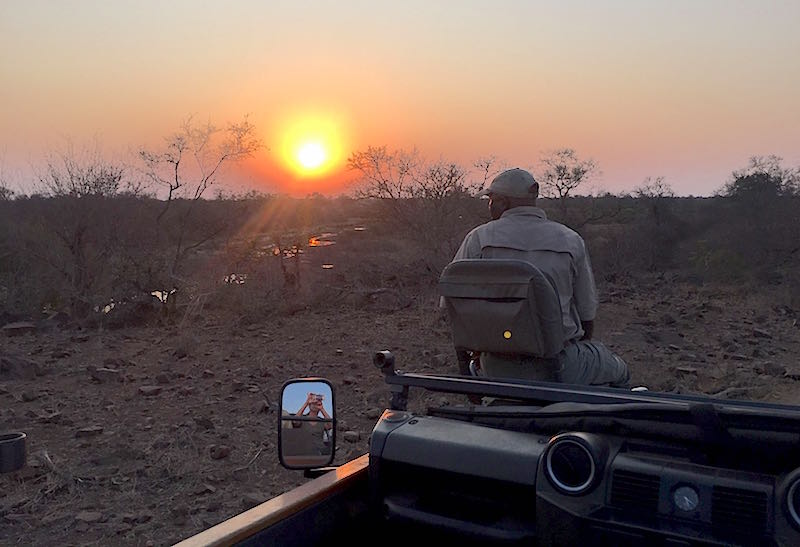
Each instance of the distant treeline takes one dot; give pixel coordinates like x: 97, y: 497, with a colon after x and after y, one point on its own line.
x: 75, y: 255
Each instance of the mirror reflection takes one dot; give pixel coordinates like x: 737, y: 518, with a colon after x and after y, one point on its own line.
x: 307, y: 423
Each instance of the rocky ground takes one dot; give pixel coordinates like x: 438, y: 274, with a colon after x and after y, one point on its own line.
x: 147, y: 435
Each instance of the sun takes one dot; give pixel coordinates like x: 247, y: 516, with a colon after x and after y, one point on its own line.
x: 312, y: 144
x: 311, y: 155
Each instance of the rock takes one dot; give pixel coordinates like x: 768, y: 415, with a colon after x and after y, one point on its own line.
x: 667, y: 319
x: 687, y: 370
x: 792, y: 373
x: 373, y: 413
x: 339, y: 351
x: 52, y: 418
x: 349, y: 380
x: 208, y: 373
x: 150, y: 391
x: 219, y: 451
x: 738, y: 357
x: 674, y: 347
x: 162, y: 378
x: 262, y: 407
x: 17, y: 368
x: 89, y: 516
x: 90, y: 431
x: 29, y: 396
x: 204, y: 489
x: 59, y: 354
x: 237, y: 386
x: 770, y: 368
x: 104, y: 375
x: 82, y: 526
x: 251, y: 499
x: 351, y: 436
x: 18, y: 328
x: 204, y: 422
x: 760, y: 333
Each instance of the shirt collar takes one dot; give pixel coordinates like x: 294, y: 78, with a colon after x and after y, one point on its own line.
x: 525, y: 210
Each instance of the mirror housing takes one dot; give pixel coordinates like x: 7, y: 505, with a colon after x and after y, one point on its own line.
x: 306, y: 424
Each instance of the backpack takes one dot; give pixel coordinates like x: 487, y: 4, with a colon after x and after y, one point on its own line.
x: 502, y: 306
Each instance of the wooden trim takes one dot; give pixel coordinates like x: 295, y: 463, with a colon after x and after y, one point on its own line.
x: 244, y: 525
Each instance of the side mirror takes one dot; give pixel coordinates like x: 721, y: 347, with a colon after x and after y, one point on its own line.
x: 306, y: 424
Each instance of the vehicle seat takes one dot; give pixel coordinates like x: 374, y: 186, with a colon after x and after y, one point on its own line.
x: 507, y: 310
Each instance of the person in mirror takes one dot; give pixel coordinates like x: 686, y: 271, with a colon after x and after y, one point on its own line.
x: 519, y: 229
x: 314, y: 408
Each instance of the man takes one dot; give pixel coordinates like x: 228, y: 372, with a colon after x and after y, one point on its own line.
x: 520, y: 230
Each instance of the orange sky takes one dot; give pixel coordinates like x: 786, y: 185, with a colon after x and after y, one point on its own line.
x: 686, y: 90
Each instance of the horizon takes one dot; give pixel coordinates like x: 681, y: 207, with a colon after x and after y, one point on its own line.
x: 643, y: 88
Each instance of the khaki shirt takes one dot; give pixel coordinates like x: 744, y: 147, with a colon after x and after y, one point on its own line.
x: 524, y: 233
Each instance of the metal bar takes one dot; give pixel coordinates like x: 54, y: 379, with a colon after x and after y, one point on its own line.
x: 550, y: 392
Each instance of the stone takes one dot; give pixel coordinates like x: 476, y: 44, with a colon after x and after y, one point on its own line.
x: 17, y: 368
x: 204, y: 422
x: 18, y: 328
x: 351, y: 436
x: 150, y: 391
x: 90, y: 431
x: 219, y: 451
x: 252, y: 499
x: 104, y: 374
x: 29, y: 396
x: 162, y: 378
x: 89, y: 516
x: 204, y: 489
x: 761, y: 333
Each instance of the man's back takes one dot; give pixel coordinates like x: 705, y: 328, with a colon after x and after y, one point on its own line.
x: 524, y: 233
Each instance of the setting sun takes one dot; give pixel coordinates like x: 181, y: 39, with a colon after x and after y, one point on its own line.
x: 312, y: 144
x: 311, y: 155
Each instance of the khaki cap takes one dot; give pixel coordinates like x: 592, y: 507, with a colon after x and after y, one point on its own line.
x: 513, y: 183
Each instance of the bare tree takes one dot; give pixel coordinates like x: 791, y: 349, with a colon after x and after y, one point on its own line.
x: 191, y: 162
x: 562, y: 173
x: 384, y: 175
x: 655, y: 192
x: 84, y: 230
x: 424, y: 199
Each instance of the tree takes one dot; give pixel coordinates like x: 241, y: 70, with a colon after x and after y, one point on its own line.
x: 82, y: 226
x: 191, y: 162
x: 763, y: 178
x: 562, y: 173
x: 425, y: 199
x: 655, y: 192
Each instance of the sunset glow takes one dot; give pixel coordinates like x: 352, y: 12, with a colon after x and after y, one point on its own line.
x: 312, y: 144
x: 311, y: 155
x: 646, y: 89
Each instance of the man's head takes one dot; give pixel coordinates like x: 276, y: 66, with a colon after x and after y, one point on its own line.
x: 315, y: 404
x: 511, y: 188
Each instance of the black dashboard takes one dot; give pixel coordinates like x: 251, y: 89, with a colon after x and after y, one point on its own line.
x: 500, y: 485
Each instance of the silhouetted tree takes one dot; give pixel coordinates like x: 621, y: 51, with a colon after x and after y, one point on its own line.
x: 562, y: 173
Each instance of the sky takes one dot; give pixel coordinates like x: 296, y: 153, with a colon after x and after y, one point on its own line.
x: 685, y: 90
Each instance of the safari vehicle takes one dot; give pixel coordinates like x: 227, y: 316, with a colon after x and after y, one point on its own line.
x: 536, y: 462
